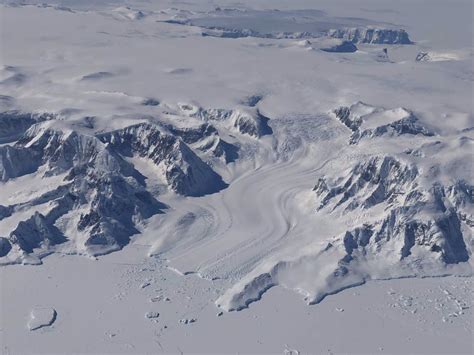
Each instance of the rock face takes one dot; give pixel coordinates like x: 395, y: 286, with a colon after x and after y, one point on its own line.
x: 242, y: 33
x: 194, y: 134
x: 417, y: 219
x: 380, y: 179
x: 205, y: 137
x: 152, y: 315
x: 247, y: 121
x: 5, y: 246
x: 34, y: 232
x: 382, y: 56
x: 9, y: 158
x: 423, y: 57
x: 344, y: 115
x: 371, y: 35
x: 229, y: 33
x: 341, y: 47
x: 406, y: 125
x: 252, y: 125
x: 13, y: 124
x: 353, y: 35
x: 366, y: 121
x: 185, y: 172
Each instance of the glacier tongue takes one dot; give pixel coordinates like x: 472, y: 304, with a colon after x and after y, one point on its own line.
x: 408, y: 231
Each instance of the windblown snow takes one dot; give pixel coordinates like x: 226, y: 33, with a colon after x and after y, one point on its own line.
x: 314, y: 149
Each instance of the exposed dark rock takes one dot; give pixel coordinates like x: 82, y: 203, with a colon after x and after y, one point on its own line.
x: 34, y: 232
x: 343, y: 47
x: 372, y: 35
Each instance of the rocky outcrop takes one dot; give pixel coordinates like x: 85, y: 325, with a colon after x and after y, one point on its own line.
x: 353, y: 35
x: 378, y: 180
x: 247, y: 121
x: 17, y: 161
x: 185, y: 172
x: 255, y: 125
x: 371, y: 35
x: 366, y: 121
x: 13, y: 124
x: 35, y: 232
x: 340, y: 47
x: 193, y: 134
x: 429, y: 220
x: 220, y: 148
x: 5, y: 212
x: 223, y: 32
x: 343, y: 113
x: 423, y: 57
x: 5, y: 246
x: 406, y: 125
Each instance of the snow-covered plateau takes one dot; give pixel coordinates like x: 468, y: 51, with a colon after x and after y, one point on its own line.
x: 222, y: 177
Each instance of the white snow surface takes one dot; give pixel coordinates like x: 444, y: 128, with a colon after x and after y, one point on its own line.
x: 223, y: 143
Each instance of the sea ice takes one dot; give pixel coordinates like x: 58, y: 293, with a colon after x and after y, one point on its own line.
x: 41, y: 317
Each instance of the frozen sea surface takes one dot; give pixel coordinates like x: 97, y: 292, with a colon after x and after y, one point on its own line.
x: 432, y: 315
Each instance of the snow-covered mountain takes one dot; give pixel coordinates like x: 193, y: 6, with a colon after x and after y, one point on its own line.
x: 402, y: 210
x: 100, y: 188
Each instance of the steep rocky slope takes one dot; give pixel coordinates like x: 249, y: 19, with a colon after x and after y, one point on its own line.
x: 371, y: 35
